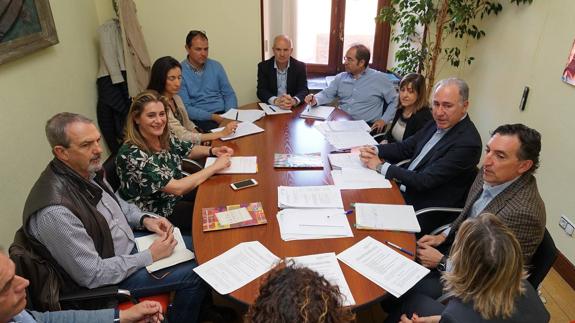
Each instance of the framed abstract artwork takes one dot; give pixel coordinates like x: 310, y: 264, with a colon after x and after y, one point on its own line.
x: 25, y: 27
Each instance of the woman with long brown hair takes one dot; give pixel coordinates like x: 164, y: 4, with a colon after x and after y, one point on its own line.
x: 486, y: 282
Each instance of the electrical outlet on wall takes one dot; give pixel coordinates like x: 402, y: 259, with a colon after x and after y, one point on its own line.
x: 566, y: 225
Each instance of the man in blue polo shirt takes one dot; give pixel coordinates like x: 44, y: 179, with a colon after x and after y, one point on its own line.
x: 364, y: 93
x: 205, y: 89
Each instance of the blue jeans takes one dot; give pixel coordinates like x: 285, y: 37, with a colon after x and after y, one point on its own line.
x: 189, y: 287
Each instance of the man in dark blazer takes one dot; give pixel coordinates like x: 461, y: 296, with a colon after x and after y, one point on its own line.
x: 443, y: 154
x: 282, y: 80
x: 506, y: 187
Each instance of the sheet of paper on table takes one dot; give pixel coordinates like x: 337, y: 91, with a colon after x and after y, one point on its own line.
x: 271, y: 109
x: 345, y: 160
x: 386, y: 217
x: 346, y: 140
x: 240, y: 165
x: 311, y: 224
x: 179, y: 255
x: 243, y: 129
x: 237, y: 267
x: 325, y: 196
x: 384, y: 266
x: 326, y: 265
x: 354, y: 178
x: 244, y: 115
x: 321, y: 112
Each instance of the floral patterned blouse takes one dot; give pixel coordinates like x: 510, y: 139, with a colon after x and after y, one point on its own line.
x: 143, y: 175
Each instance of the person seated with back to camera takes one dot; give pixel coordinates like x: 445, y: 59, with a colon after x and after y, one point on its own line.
x: 412, y: 111
x: 166, y: 79
x: 486, y: 284
x: 282, y: 79
x: 298, y: 294
x: 149, y: 164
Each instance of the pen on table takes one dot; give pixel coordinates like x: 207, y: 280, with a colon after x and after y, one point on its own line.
x: 399, y: 248
x: 348, y: 212
x: 237, y: 113
x: 274, y: 110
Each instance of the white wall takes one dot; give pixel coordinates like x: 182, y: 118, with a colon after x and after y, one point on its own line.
x: 529, y: 46
x: 35, y: 87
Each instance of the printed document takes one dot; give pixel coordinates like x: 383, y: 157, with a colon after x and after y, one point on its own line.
x: 179, y: 255
x: 237, y: 266
x: 243, y: 129
x: 348, y: 126
x: 386, y: 217
x: 384, y: 266
x: 345, y: 160
x: 240, y: 165
x: 244, y: 115
x: 233, y: 216
x: 326, y: 265
x: 325, y: 196
x: 346, y: 140
x: 354, y: 178
x: 310, y: 224
x: 270, y: 109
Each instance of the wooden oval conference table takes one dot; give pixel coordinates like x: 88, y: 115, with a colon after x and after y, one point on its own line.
x: 287, y: 133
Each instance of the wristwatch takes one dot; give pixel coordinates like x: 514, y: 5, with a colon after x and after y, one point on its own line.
x: 378, y: 168
x: 442, y: 265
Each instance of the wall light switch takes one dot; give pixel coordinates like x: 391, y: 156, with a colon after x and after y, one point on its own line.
x: 569, y: 229
x: 566, y: 224
x: 562, y: 222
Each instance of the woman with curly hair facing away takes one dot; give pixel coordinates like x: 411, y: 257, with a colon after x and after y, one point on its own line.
x: 298, y: 294
x: 486, y: 282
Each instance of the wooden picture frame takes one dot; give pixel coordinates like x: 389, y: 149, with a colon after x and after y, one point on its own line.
x: 42, y: 36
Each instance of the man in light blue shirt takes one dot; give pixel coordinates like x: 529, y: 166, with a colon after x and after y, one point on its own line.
x: 364, y: 93
x: 205, y: 91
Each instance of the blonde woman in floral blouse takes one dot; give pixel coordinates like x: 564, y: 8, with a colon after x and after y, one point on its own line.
x: 166, y: 78
x: 149, y: 163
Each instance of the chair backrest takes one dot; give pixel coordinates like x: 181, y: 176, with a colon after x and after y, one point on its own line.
x: 542, y: 260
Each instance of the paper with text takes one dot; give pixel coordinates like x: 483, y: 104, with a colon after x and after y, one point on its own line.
x: 321, y: 112
x: 346, y: 160
x: 353, y: 178
x: 233, y: 216
x: 240, y: 165
x: 326, y: 196
x: 326, y: 265
x: 386, y: 217
x: 384, y: 266
x: 310, y: 224
x: 346, y: 140
x: 237, y: 266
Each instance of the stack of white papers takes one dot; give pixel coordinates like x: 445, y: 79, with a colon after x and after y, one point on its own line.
x: 237, y: 266
x: 326, y: 265
x: 243, y: 129
x: 240, y: 165
x: 270, y: 109
x: 356, y: 178
x: 244, y: 115
x: 345, y: 160
x: 321, y: 112
x: 386, y: 217
x: 383, y: 266
x: 346, y: 140
x: 309, y: 224
x: 179, y: 255
x: 318, y: 197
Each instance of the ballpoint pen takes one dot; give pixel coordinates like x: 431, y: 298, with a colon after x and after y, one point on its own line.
x: 391, y: 244
x: 237, y: 113
x: 274, y: 110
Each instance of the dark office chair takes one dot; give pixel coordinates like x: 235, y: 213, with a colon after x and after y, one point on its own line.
x: 542, y: 260
x: 434, y: 220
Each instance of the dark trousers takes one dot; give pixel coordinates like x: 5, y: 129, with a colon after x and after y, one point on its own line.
x: 112, y: 110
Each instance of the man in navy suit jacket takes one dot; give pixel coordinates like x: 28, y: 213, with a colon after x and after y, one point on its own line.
x: 443, y: 154
x: 282, y: 80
